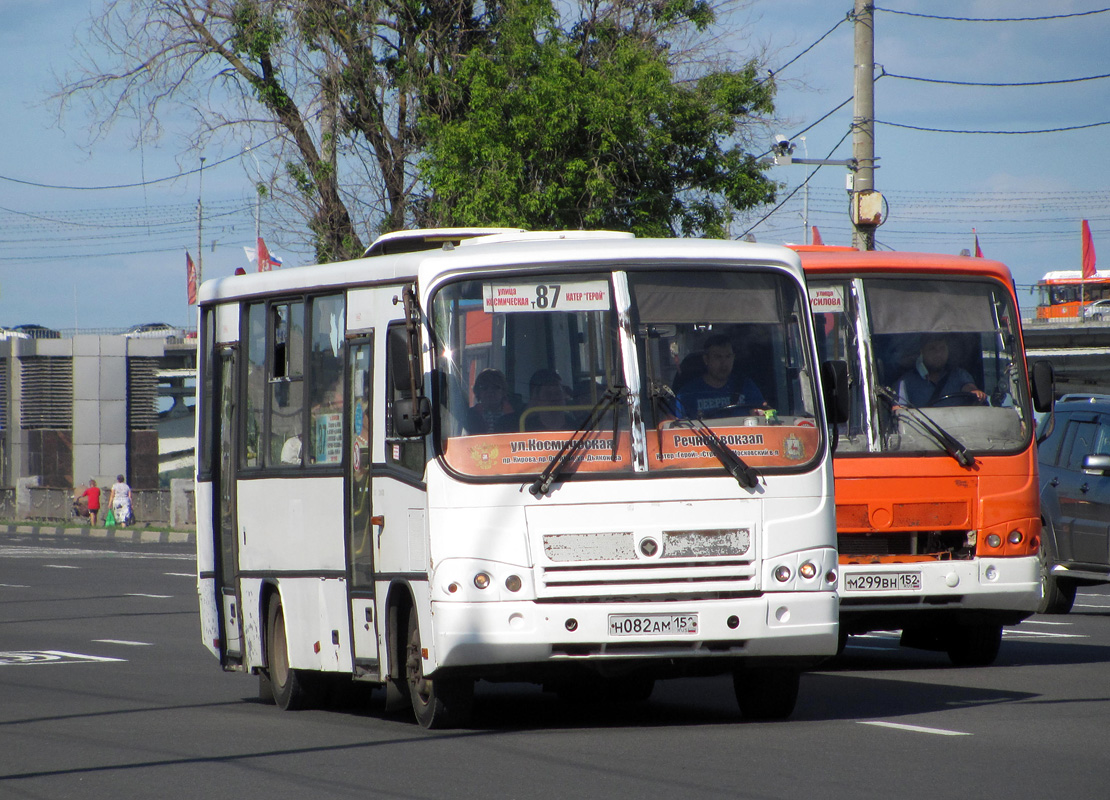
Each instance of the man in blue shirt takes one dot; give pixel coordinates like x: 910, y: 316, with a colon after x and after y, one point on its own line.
x: 719, y: 388
x: 931, y: 379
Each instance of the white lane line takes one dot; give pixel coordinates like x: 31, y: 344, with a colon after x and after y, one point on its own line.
x: 60, y: 566
x: 916, y: 728
x: 14, y: 586
x: 26, y: 657
x: 1047, y: 635
x: 1044, y: 622
x: 155, y: 596
x: 124, y: 642
x: 181, y: 574
x: 1090, y: 605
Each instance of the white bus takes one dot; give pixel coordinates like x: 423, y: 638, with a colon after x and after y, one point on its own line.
x: 477, y: 462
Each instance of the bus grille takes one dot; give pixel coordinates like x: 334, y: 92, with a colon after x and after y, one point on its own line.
x: 686, y: 578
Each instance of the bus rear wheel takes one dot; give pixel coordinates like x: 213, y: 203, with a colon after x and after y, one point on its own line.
x: 766, y: 693
x: 292, y: 689
x: 436, y: 702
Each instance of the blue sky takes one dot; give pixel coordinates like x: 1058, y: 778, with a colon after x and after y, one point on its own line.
x: 95, y: 258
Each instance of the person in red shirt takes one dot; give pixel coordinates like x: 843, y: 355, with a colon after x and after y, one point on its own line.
x: 92, y: 497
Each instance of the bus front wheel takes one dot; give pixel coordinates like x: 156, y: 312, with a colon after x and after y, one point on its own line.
x: 975, y: 645
x: 436, y: 702
x: 292, y: 689
x: 766, y: 693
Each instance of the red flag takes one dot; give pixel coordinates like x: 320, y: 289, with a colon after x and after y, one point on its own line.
x: 817, y: 236
x: 978, y: 252
x: 191, y: 278
x: 263, y: 256
x: 1088, y: 252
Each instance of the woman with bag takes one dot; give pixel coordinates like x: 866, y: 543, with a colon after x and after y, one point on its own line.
x: 120, y: 501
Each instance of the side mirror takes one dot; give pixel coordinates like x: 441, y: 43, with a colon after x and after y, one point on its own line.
x: 412, y: 417
x: 1096, y: 463
x: 834, y: 385
x: 1044, y: 386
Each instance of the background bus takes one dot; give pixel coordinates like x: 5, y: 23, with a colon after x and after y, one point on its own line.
x: 1064, y: 294
x: 424, y: 469
x: 936, y: 477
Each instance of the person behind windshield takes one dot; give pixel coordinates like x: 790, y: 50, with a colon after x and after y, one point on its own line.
x: 545, y: 391
x: 491, y: 412
x: 719, y: 387
x: 932, y: 379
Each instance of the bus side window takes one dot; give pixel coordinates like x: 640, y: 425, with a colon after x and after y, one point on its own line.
x: 406, y: 453
x: 286, y: 384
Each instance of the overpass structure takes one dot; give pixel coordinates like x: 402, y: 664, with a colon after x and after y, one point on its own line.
x: 1078, y: 351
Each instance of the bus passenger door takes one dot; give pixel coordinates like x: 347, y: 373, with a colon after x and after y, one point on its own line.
x: 361, y: 542
x: 231, y: 620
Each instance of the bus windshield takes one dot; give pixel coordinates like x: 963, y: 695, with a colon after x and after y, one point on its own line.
x: 525, y: 362
x: 939, y: 357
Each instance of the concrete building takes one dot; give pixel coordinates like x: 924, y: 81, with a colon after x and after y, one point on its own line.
x: 82, y: 407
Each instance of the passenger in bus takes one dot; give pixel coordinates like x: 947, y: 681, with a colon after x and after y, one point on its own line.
x: 933, y: 381
x: 719, y: 389
x: 492, y: 412
x: 547, y: 399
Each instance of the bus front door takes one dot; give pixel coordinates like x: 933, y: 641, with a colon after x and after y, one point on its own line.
x: 227, y: 590
x: 361, y: 541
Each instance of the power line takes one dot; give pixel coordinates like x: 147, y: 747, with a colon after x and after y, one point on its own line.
x: 773, y: 73
x: 884, y: 73
x: 994, y: 133
x: 141, y: 183
x: 989, y: 19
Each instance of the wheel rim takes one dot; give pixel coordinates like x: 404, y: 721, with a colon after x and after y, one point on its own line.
x: 414, y: 669
x: 279, y: 655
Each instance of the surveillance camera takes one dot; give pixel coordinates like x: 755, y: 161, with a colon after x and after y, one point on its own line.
x: 782, y: 145
x: 780, y: 138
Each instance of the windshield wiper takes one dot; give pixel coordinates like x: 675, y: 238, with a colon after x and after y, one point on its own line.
x: 953, y: 446
x: 746, y: 476
x: 555, y: 467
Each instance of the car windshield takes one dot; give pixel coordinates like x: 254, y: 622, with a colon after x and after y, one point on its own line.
x: 940, y: 364
x: 524, y: 363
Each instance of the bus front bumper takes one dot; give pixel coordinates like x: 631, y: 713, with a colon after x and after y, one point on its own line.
x: 986, y: 584
x: 787, y: 624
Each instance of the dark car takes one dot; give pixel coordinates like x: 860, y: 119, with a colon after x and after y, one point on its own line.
x: 37, y: 331
x: 1074, y: 456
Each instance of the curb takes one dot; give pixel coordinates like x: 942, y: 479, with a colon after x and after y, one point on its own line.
x: 113, y: 534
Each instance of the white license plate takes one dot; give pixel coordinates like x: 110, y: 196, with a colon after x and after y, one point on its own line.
x: 882, y: 581
x: 652, y: 624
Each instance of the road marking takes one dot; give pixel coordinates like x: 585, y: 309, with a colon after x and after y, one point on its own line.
x: 155, y: 596
x: 24, y: 657
x: 1048, y: 635
x: 124, y: 642
x: 1044, y: 622
x: 14, y: 586
x: 181, y: 574
x: 1090, y: 605
x: 60, y: 566
x: 916, y: 728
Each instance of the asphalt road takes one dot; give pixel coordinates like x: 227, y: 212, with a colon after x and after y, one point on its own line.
x: 107, y: 692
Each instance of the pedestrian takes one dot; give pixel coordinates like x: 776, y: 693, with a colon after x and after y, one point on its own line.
x: 120, y: 501
x: 92, y: 499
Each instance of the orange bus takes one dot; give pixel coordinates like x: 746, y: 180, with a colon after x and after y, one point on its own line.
x: 1063, y: 294
x: 938, y: 523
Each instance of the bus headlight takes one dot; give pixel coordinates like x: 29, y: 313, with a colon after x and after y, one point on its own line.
x: 808, y: 570
x: 994, y: 540
x: 481, y: 580
x: 782, y: 573
x: 512, y: 583
x: 1015, y: 537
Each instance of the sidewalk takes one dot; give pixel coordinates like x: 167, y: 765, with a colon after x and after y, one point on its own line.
x: 135, y: 534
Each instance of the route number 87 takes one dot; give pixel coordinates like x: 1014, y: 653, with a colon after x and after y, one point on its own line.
x: 547, y: 296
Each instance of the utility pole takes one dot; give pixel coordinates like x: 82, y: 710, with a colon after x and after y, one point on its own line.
x: 200, y: 222
x: 866, y: 208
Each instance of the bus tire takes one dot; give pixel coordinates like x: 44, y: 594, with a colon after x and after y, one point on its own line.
x: 1058, y: 596
x: 766, y: 693
x: 292, y: 689
x: 439, y: 702
x: 975, y: 645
